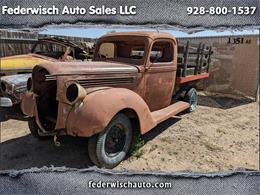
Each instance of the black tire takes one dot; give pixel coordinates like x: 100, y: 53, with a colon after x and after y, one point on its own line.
x: 2, y: 116
x: 113, y: 144
x: 192, y: 98
x: 92, y: 148
x: 34, y: 130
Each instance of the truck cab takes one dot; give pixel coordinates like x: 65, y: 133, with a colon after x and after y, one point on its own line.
x: 153, y: 54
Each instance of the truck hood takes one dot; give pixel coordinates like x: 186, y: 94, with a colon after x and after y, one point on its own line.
x: 22, y: 62
x: 81, y: 68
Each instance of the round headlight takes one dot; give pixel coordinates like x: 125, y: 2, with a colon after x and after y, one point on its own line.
x: 29, y: 84
x: 3, y: 87
x: 72, y: 92
x: 75, y: 93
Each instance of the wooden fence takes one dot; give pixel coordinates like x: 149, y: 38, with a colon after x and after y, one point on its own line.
x: 15, y: 43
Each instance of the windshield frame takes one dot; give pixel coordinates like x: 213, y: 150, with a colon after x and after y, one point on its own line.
x: 109, y: 39
x: 49, y: 42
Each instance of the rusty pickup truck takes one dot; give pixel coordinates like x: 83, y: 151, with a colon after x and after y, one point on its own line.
x: 135, y: 81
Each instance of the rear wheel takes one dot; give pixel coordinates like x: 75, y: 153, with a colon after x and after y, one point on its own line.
x: 110, y: 147
x: 192, y: 98
x: 34, y: 128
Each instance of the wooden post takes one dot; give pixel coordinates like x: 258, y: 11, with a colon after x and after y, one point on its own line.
x: 197, y: 60
x: 186, y: 54
x: 201, y: 58
x: 209, y: 58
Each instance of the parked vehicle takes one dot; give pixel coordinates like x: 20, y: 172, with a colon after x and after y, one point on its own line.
x: 12, y: 88
x: 15, y: 71
x: 45, y: 50
x: 135, y: 81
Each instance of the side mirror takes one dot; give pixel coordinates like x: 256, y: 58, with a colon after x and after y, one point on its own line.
x: 5, y: 102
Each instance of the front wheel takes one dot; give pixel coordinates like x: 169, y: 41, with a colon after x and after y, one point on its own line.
x: 192, y: 98
x: 2, y: 116
x: 111, y: 146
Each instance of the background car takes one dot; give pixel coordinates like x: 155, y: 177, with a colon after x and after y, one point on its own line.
x: 16, y: 70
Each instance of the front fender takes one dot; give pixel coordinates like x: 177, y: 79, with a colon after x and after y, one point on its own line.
x: 28, y: 104
x: 98, y: 108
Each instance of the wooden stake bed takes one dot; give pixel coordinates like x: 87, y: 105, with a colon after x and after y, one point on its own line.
x: 193, y: 62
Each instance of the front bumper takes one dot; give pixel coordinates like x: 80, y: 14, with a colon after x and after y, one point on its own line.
x: 8, y: 110
x: 5, y: 102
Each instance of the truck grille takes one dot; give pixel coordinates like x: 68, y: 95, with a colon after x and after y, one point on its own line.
x: 93, y: 82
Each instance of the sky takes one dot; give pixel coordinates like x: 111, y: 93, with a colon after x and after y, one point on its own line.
x: 97, y: 32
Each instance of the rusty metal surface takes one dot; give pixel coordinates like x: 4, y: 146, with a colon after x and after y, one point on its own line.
x: 14, y: 86
x: 160, y: 76
x: 158, y: 88
x: 65, y: 42
x: 163, y: 114
x: 21, y: 42
x: 83, y: 68
x: 129, y: 88
x: 28, y: 104
x: 101, y: 106
x: 181, y: 80
x: 148, y: 34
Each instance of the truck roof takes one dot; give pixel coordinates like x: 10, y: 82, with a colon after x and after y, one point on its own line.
x: 150, y: 34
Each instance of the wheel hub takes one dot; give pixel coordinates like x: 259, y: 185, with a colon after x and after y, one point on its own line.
x: 115, y: 140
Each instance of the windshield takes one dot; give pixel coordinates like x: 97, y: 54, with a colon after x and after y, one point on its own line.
x: 122, y: 51
x: 49, y: 49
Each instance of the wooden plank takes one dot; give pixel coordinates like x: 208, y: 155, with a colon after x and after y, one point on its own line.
x: 186, y: 54
x: 197, y: 60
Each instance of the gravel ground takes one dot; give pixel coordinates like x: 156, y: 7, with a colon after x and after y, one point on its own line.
x: 223, y: 134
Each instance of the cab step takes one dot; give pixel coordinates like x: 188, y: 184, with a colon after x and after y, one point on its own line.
x: 170, y: 111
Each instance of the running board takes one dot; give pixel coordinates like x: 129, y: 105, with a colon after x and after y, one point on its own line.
x: 166, y: 113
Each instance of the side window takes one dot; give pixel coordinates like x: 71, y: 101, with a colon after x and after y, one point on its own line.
x: 162, y: 51
x: 107, y: 50
x: 49, y: 49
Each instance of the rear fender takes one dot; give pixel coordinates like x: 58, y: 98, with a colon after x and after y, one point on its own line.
x: 98, y: 108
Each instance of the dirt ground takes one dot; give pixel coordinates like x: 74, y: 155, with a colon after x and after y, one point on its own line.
x: 223, y: 134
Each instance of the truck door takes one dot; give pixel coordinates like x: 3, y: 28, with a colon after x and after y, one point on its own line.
x: 160, y: 74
